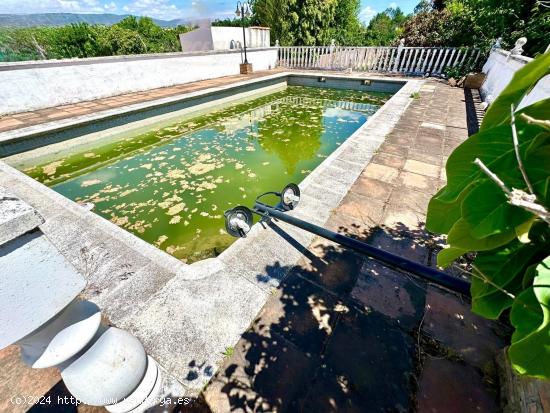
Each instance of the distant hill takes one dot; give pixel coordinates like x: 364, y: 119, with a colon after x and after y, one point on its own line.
x: 61, y: 19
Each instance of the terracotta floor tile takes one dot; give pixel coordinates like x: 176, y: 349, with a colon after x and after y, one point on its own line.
x: 8, y: 122
x: 419, y: 182
x: 367, y: 211
x: 422, y: 168
x: 387, y: 159
x: 372, y: 188
x: 380, y: 172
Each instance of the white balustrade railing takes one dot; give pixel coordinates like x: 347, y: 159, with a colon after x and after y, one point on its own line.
x: 399, y: 59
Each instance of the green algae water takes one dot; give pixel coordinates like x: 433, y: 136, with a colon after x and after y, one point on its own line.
x: 170, y: 186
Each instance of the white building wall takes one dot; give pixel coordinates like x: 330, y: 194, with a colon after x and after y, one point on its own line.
x: 28, y: 86
x: 224, y: 38
x: 500, y: 68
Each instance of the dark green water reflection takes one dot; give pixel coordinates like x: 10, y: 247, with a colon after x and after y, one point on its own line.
x: 170, y: 186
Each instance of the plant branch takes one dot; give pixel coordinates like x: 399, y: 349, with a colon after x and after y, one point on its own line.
x: 533, y: 121
x: 516, y: 150
x: 493, y: 176
x: 487, y: 280
x: 480, y: 275
x: 517, y: 197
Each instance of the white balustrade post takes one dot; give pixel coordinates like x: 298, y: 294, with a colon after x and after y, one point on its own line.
x: 398, y: 57
x: 331, y: 51
x: 39, y: 311
x: 496, y: 44
x: 278, y: 63
x: 518, y: 47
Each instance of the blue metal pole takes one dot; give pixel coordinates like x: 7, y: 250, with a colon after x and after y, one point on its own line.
x: 391, y: 260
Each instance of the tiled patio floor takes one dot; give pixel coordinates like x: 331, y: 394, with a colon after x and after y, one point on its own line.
x: 345, y: 334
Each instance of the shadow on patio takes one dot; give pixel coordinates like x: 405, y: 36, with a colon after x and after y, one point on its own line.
x: 343, y: 333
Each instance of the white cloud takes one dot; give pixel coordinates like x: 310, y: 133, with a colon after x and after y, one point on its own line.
x: 55, y: 6
x: 110, y: 7
x: 393, y: 5
x: 366, y: 14
x: 160, y: 9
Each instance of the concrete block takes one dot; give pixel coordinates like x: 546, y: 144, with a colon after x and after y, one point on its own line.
x: 16, y: 217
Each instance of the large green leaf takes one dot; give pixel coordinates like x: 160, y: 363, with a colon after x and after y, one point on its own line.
x: 530, y: 348
x: 537, y: 165
x: 448, y: 255
x: 504, y: 268
x: 443, y: 215
x: 521, y: 84
x: 445, y: 210
x: 495, y: 148
x: 484, y: 205
x: 460, y: 236
x: 511, y: 242
x: 487, y: 211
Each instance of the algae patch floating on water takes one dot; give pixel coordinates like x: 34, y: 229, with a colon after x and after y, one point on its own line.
x: 170, y: 186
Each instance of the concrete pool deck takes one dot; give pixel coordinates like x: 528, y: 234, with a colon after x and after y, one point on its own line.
x: 187, y: 316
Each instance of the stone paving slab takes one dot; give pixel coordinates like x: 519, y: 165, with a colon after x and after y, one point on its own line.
x: 19, y: 380
x: 450, y: 321
x: 392, y: 293
x: 376, y: 358
x: 450, y: 387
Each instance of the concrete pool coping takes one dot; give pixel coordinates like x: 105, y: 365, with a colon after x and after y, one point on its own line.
x: 187, y: 315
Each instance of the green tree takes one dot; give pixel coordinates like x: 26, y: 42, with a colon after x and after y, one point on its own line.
x: 315, y: 19
x: 235, y: 22
x: 478, y: 23
x: 130, y: 36
x: 117, y: 40
x: 431, y: 28
x: 346, y: 28
x: 385, y: 28
x: 276, y: 15
x: 74, y: 40
x: 298, y: 22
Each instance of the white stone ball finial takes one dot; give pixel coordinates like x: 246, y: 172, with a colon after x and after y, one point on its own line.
x: 518, y: 47
x: 277, y: 43
x: 497, y: 44
x: 401, y: 42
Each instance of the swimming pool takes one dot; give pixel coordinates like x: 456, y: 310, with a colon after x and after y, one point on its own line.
x: 170, y: 185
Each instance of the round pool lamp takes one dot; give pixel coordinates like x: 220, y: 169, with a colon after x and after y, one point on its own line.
x: 238, y: 221
x: 290, y: 197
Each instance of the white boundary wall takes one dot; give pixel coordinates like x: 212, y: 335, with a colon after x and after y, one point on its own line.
x: 500, y: 68
x: 26, y: 86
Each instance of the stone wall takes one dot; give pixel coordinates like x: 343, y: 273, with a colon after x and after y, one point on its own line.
x: 28, y: 86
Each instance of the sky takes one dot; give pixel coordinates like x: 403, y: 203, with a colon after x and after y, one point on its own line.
x: 168, y: 9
